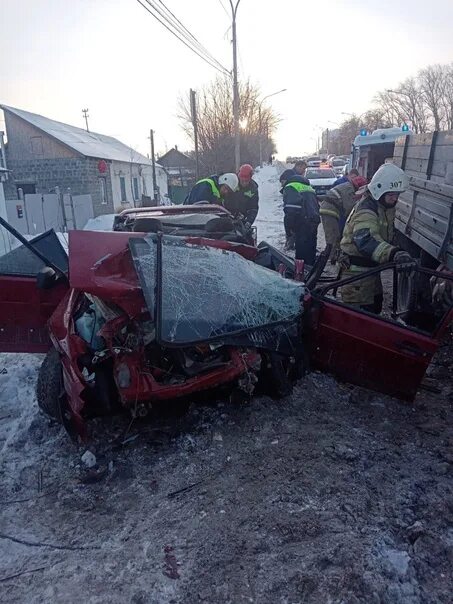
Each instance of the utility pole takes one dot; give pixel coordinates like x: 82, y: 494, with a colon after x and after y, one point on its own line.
x: 86, y: 116
x: 153, y: 161
x: 237, y: 141
x: 193, y: 113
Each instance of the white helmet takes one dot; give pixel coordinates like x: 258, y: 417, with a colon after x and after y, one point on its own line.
x: 230, y: 180
x: 388, y: 179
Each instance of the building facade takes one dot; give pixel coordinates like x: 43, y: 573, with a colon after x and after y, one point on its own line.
x: 42, y: 154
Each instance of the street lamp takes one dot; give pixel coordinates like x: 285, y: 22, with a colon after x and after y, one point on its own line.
x: 359, y: 117
x: 398, y: 92
x: 260, y: 122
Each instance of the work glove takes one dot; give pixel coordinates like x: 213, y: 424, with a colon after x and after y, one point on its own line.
x: 335, y: 256
x: 404, y: 263
x: 442, y: 293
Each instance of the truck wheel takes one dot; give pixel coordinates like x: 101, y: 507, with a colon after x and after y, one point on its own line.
x: 49, y: 386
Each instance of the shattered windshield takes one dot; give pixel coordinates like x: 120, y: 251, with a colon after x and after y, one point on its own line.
x: 207, y: 293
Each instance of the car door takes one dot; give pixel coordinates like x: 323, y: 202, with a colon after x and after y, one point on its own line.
x: 24, y: 308
x: 369, y: 350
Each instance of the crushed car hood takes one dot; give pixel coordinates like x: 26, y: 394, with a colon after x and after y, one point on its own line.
x: 199, y: 293
x: 195, y: 290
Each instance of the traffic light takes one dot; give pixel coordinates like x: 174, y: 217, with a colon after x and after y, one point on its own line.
x: 363, y: 132
x: 405, y: 128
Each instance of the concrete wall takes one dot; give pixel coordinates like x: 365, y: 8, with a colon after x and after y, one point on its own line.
x: 27, y: 142
x: 144, y: 176
x: 80, y: 174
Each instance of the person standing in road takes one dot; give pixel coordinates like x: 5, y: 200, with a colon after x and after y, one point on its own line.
x: 214, y: 189
x: 367, y: 239
x: 346, y: 177
x: 301, y: 209
x: 335, y: 208
x: 245, y: 199
x: 300, y: 167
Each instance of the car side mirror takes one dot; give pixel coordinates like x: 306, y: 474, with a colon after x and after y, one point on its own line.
x: 46, y: 278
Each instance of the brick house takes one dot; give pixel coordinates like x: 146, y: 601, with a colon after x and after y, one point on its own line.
x: 42, y: 154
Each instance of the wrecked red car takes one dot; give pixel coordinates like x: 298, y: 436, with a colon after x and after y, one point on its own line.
x: 137, y: 318
x: 199, y: 220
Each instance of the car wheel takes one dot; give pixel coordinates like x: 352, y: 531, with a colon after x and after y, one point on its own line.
x: 280, y: 383
x: 49, y: 386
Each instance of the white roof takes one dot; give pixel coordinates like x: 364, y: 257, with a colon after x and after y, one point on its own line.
x: 90, y: 144
x: 383, y: 135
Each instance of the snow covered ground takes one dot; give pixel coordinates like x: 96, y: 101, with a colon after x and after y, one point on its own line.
x: 334, y: 494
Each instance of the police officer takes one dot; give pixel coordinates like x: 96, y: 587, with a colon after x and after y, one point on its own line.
x: 335, y: 208
x: 367, y: 238
x: 301, y: 209
x: 244, y: 202
x: 214, y: 189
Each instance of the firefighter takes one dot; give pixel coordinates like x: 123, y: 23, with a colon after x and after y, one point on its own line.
x: 335, y: 208
x: 367, y: 239
x: 244, y: 202
x: 214, y: 189
x: 301, y: 209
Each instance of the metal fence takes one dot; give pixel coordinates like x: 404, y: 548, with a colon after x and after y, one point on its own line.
x: 36, y: 213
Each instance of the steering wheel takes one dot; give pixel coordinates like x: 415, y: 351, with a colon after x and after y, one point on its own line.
x: 201, y: 203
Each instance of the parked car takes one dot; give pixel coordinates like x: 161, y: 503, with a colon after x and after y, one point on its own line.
x: 321, y: 179
x: 138, y: 319
x: 314, y: 161
x: 337, y: 165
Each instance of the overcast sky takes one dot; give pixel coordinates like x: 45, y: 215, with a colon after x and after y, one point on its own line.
x: 59, y: 56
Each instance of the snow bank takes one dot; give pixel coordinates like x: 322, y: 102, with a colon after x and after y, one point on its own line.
x: 100, y: 223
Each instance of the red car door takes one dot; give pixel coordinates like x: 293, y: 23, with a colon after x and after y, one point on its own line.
x: 369, y: 350
x: 24, y: 308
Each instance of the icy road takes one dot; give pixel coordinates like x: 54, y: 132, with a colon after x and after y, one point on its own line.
x: 334, y: 495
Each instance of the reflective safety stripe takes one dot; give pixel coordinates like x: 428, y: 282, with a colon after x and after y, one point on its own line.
x: 358, y: 269
x: 291, y: 205
x: 215, y: 190
x: 333, y: 213
x: 300, y: 187
x: 379, y: 250
x: 335, y: 192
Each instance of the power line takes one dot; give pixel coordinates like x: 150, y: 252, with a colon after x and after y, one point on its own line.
x: 223, y: 6
x: 173, y: 20
x: 197, y: 48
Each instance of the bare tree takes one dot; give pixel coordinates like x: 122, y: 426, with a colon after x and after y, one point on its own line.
x: 447, y: 96
x: 216, y: 124
x: 431, y: 82
x: 405, y: 104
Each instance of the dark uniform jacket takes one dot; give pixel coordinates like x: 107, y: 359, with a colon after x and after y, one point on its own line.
x: 244, y: 201
x: 299, y: 197
x: 206, y: 189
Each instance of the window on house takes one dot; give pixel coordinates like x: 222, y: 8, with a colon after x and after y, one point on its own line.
x: 135, y: 187
x: 27, y: 188
x: 103, y: 188
x: 123, y: 188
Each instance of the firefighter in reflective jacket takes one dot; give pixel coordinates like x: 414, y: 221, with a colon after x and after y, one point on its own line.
x: 367, y: 239
x: 301, y: 209
x: 336, y: 207
x: 213, y: 189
